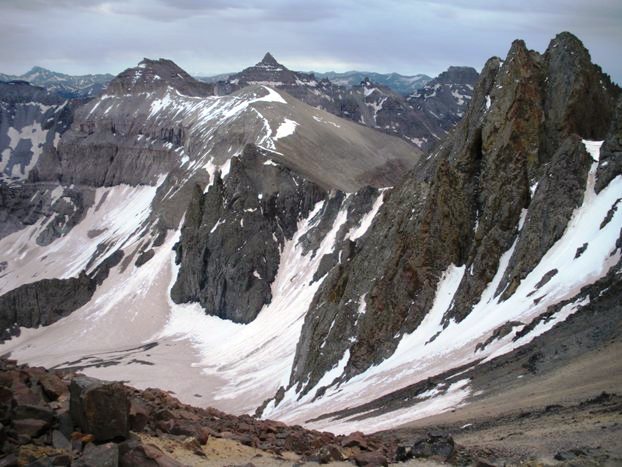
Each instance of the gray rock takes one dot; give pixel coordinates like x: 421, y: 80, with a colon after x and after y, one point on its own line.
x: 104, y: 455
x: 43, y: 302
x: 610, y: 161
x: 230, y: 244
x: 60, y: 441
x: 559, y: 192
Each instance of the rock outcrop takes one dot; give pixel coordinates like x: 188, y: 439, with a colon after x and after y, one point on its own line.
x: 31, y: 121
x: 466, y: 205
x: 42, y: 303
x: 232, y: 235
x: 99, y: 408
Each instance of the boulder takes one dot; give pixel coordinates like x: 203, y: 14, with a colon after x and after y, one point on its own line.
x: 330, y: 453
x: 139, y: 414
x: 356, y: 439
x: 22, y: 412
x: 60, y: 441
x: 134, y: 454
x: 104, y: 455
x: 30, y: 427
x: 100, y: 408
x: 436, y: 444
x: 53, y: 387
x: 370, y: 459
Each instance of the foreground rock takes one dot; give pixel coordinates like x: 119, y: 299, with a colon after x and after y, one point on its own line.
x: 60, y: 418
x: 100, y: 408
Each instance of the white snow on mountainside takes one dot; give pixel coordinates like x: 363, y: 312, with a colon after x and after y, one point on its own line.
x: 150, y: 159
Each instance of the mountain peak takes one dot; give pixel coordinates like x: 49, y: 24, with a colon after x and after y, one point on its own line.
x: 457, y: 75
x: 567, y: 44
x: 36, y: 69
x: 151, y: 74
x: 269, y: 61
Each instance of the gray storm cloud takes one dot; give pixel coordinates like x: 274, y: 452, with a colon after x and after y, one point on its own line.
x: 215, y: 36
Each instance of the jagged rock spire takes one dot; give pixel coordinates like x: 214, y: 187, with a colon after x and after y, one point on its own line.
x: 268, y: 60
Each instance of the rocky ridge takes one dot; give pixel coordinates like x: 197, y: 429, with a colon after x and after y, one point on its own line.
x: 31, y: 122
x: 402, y: 84
x: 496, y: 182
x: 161, y: 136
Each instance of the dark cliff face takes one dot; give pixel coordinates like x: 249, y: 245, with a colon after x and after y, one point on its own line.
x: 232, y: 236
x: 31, y: 121
x: 610, y: 162
x: 519, y: 146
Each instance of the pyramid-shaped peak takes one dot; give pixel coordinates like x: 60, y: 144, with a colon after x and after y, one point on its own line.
x: 566, y: 43
x: 269, y: 60
x: 150, y: 75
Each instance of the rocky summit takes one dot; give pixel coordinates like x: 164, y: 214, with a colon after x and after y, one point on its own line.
x: 313, y: 272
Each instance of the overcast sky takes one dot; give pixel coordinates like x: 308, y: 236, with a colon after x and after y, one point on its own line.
x: 217, y: 36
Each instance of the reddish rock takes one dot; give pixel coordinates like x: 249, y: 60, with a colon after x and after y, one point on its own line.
x: 100, y: 408
x: 139, y: 414
x: 203, y: 435
x: 53, y: 387
x: 370, y: 459
x: 22, y: 412
x: 356, y: 439
x: 30, y: 427
x: 147, y: 455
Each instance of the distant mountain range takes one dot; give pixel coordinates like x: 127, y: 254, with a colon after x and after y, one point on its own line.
x: 401, y: 84
x: 70, y: 86
x: 422, y: 117
x: 66, y: 86
x: 417, y: 108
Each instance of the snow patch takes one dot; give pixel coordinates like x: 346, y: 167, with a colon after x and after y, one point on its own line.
x: 287, y: 128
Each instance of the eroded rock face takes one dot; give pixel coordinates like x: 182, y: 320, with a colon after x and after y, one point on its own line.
x: 31, y: 121
x: 610, y: 162
x: 43, y: 303
x: 230, y: 244
x: 464, y: 206
x: 151, y: 75
x: 58, y: 208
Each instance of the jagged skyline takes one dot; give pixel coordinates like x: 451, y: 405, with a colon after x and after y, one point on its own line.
x: 211, y: 37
